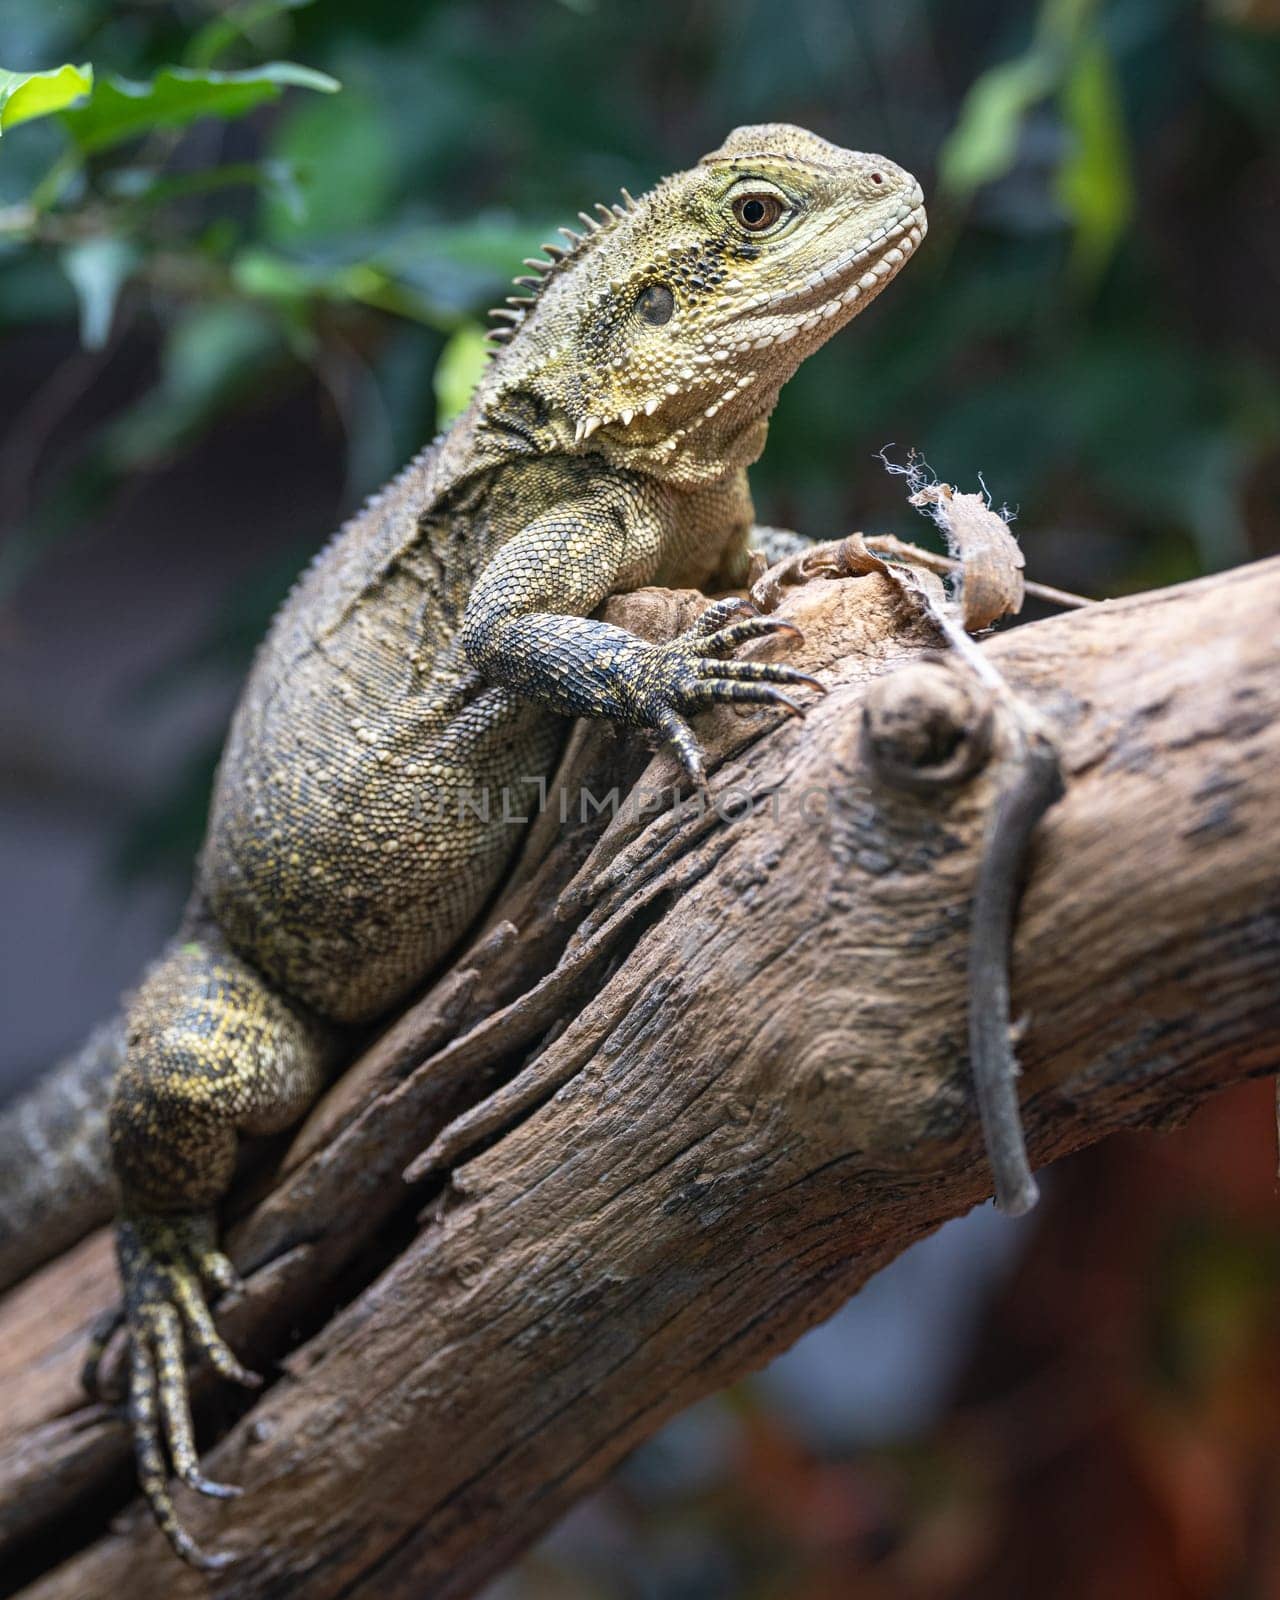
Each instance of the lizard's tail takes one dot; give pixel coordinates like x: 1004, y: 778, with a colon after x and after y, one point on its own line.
x: 55, y: 1178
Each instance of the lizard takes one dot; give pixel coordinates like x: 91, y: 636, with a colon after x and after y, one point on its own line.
x: 438, y: 646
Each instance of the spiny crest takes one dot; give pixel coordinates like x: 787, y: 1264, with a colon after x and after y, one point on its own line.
x: 554, y: 260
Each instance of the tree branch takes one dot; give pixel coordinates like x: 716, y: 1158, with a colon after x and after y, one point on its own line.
x: 731, y: 1083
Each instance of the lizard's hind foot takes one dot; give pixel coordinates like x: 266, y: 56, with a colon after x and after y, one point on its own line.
x: 167, y: 1264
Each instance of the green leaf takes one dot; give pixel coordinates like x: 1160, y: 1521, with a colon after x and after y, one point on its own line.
x: 98, y: 270
x: 280, y: 186
x: 451, y: 269
x: 461, y: 363
x: 121, y: 109
x: 343, y: 152
x: 982, y: 145
x: 1094, y: 183
x: 24, y: 95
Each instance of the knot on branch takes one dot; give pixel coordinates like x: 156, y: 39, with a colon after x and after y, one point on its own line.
x: 925, y: 727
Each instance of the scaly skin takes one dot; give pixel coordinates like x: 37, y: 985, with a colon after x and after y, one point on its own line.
x: 434, y: 650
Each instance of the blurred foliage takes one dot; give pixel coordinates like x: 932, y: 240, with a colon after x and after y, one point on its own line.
x: 1069, y: 61
x: 1078, y: 330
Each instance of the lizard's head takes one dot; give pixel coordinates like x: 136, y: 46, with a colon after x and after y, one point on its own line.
x: 698, y: 302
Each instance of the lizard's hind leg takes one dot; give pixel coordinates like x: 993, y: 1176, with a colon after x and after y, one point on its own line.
x: 212, y: 1052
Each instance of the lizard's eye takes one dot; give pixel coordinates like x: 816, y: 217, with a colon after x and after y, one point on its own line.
x: 756, y: 212
x: 655, y: 304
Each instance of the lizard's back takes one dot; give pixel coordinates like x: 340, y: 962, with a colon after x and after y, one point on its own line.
x: 365, y: 803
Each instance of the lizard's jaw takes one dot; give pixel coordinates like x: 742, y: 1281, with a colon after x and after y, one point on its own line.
x: 833, y: 291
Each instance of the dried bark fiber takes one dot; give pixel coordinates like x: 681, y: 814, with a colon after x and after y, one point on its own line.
x: 727, y: 1092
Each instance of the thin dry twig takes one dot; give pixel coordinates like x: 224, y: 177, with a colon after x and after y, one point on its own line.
x: 888, y: 544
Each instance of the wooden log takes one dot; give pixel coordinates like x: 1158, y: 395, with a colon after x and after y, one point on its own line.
x: 730, y: 1088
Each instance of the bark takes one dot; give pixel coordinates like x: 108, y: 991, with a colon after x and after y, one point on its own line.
x: 692, y: 1085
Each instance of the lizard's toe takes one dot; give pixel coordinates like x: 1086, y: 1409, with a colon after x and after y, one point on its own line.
x: 161, y: 1261
x: 100, y: 1335
x: 205, y: 1337
x: 714, y: 618
x: 760, y: 672
x: 723, y: 640
x: 211, y: 1264
x: 721, y: 691
x: 672, y: 726
x: 151, y: 1396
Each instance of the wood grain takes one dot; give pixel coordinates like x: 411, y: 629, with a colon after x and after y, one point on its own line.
x: 721, y: 1116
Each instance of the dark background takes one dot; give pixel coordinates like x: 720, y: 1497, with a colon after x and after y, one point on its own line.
x: 215, y: 338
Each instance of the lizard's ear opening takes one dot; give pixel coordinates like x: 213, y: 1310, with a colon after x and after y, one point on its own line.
x: 655, y: 304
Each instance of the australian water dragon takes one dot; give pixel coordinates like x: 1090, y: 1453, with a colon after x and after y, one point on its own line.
x: 437, y: 645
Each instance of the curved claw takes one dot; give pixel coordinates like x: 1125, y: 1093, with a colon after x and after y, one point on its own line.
x: 197, y: 1556
x: 211, y: 1487
x: 212, y: 1560
x: 790, y: 705
x: 228, y: 1367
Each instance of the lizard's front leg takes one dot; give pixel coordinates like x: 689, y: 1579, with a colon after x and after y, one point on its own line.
x: 212, y: 1052
x: 526, y: 627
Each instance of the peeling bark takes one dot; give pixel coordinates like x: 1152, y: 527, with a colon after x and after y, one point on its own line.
x: 728, y: 1068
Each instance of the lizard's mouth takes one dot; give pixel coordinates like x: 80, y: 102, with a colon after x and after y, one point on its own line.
x: 858, y: 273
x: 864, y: 269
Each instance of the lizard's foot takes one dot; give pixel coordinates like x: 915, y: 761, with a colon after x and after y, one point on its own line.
x: 167, y: 1264
x: 691, y: 672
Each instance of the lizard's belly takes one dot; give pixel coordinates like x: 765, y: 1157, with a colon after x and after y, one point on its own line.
x: 354, y: 839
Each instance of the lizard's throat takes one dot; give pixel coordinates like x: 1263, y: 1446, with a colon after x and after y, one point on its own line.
x: 699, y: 448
